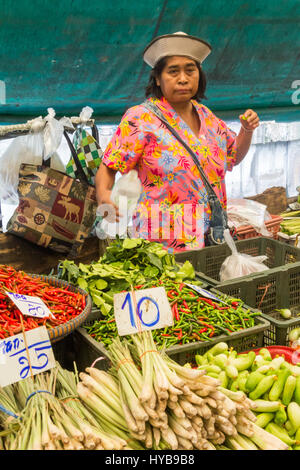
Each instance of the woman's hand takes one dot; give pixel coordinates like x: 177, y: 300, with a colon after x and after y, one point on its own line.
x: 106, y: 208
x: 249, y: 120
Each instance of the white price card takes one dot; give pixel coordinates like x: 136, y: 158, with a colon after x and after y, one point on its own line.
x: 205, y: 293
x: 29, y: 305
x: 14, y: 364
x: 140, y: 310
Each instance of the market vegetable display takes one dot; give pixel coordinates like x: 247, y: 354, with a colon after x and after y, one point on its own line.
x: 196, y: 318
x: 140, y: 264
x: 272, y: 385
x: 168, y: 406
x: 62, y: 302
x: 125, y: 263
x: 45, y: 413
x: 291, y: 222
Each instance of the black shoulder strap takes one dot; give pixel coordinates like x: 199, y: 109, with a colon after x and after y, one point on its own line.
x: 80, y: 173
x: 152, y: 107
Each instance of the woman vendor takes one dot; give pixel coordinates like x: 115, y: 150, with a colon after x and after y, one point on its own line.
x: 173, y: 191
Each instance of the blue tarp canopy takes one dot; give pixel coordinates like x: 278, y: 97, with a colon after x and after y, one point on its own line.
x: 69, y: 54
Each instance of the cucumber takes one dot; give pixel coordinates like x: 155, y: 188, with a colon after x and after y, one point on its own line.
x: 253, y: 379
x: 289, y: 388
x: 293, y: 411
x: 281, y: 433
x: 278, y: 386
x: 262, y: 387
x: 217, y: 349
x: 265, y: 406
x: 263, y: 419
x: 297, y: 391
x: 280, y: 416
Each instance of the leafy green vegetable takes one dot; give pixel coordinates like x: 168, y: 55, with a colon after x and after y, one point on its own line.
x: 125, y: 264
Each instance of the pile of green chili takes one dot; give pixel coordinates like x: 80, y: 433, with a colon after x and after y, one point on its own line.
x: 196, y: 318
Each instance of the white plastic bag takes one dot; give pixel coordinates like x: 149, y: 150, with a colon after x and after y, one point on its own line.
x: 240, y: 264
x: 125, y: 194
x: 243, y: 212
x: 23, y: 149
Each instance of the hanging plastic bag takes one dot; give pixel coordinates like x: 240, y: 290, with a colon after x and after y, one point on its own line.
x: 23, y: 149
x: 243, y: 212
x: 240, y: 264
x: 125, y: 194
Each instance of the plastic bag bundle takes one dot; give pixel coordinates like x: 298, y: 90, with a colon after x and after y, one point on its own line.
x: 125, y: 194
x: 240, y: 264
x: 243, y: 212
x: 23, y: 149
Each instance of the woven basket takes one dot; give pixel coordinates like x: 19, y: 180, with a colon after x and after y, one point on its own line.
x: 61, y: 331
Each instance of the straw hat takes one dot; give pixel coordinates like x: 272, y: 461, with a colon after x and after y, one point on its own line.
x: 176, y: 44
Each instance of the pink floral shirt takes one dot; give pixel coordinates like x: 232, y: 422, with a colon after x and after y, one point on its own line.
x: 173, y: 208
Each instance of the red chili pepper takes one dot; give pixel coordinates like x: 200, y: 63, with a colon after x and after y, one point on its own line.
x: 203, y: 330
x: 175, y: 312
x: 185, y: 304
x: 181, y: 286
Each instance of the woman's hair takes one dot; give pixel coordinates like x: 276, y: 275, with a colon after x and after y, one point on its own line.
x: 152, y: 89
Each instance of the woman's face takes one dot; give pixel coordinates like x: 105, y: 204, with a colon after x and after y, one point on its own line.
x: 179, y: 79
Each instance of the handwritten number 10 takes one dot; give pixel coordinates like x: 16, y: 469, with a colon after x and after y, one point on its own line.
x: 128, y: 299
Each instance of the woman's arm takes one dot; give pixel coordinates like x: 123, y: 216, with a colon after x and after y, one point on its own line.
x: 104, y: 181
x: 249, y: 121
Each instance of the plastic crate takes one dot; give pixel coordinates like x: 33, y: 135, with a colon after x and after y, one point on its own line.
x: 272, y: 225
x: 268, y: 291
x: 88, y: 349
x: 208, y: 261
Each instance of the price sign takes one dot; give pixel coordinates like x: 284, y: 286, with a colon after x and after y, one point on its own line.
x: 146, y: 309
x: 14, y: 364
x: 32, y: 306
x: 205, y: 293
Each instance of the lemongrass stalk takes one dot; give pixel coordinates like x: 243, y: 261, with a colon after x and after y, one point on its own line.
x: 156, y: 436
x: 100, y: 407
x: 266, y: 441
x: 233, y: 444
x: 101, y: 392
x: 170, y: 437
x: 149, y: 437
x: 133, y: 402
x: 37, y: 432
x: 50, y: 446
x: 130, y: 420
x: 105, y: 379
x: 245, y: 442
x: 184, y: 444
x: 177, y: 409
x: 78, y: 445
x: 180, y: 430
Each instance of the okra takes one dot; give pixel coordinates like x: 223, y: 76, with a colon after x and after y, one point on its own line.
x: 288, y: 390
x: 262, y: 387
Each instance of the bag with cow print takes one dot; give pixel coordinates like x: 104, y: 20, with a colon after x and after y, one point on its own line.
x: 55, y: 210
